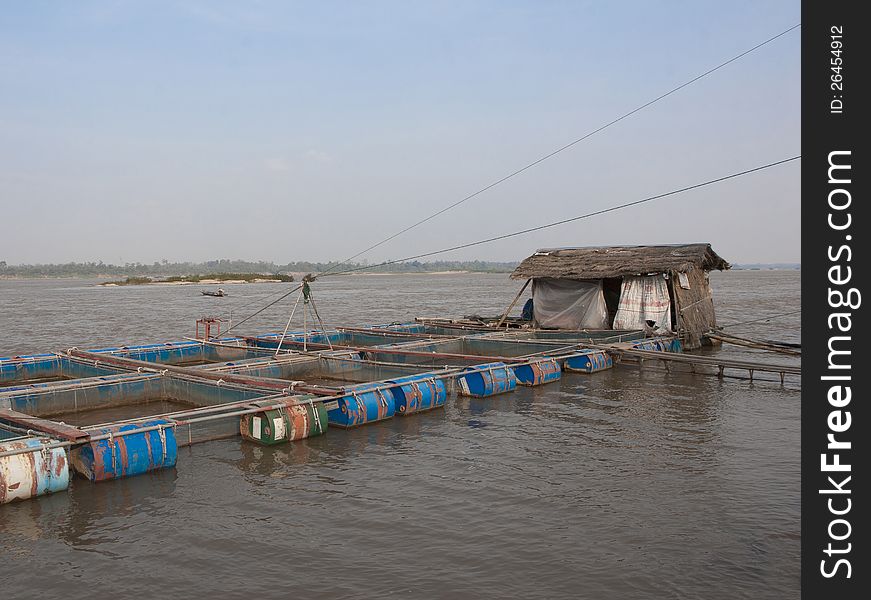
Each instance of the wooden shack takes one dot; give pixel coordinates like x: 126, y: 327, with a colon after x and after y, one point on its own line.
x: 657, y: 288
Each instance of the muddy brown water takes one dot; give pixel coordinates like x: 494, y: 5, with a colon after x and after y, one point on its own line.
x: 625, y: 484
x: 99, y: 416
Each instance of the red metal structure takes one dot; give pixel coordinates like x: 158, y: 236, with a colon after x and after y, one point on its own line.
x: 206, y: 324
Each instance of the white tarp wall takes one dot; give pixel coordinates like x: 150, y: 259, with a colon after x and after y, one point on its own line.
x: 643, y: 299
x: 569, y: 304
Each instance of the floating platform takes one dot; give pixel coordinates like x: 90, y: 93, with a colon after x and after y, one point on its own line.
x: 116, y: 412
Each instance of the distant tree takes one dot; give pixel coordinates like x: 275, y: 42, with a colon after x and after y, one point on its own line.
x: 166, y: 269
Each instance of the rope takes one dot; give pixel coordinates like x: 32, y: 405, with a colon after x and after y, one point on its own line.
x: 529, y: 166
x: 579, y: 217
x: 13, y: 428
x: 282, y: 297
x: 256, y: 298
x: 323, y: 329
x: 699, y: 301
x: 770, y: 346
x: 762, y: 319
x: 566, y: 146
x: 316, y: 416
x: 286, y: 327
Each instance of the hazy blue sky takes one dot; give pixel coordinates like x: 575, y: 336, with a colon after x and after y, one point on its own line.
x: 190, y: 130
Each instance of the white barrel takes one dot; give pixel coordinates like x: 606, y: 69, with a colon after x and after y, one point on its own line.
x: 31, y: 474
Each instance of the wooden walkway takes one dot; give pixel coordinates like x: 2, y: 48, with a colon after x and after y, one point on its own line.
x: 693, y: 360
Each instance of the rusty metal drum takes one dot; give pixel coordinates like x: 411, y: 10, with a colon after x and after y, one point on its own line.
x: 295, y: 419
x: 487, y: 380
x: 588, y: 361
x: 417, y: 393
x: 538, y: 371
x: 363, y: 404
x: 133, y: 453
x: 31, y: 474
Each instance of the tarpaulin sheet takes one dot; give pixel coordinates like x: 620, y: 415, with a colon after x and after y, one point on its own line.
x: 569, y: 304
x: 644, y: 299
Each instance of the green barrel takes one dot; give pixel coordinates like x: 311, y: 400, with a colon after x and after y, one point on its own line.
x: 296, y: 419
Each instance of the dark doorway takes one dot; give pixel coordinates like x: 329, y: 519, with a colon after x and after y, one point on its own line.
x: 611, y: 289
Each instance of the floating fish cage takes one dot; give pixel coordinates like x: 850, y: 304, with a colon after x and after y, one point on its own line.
x: 117, y: 412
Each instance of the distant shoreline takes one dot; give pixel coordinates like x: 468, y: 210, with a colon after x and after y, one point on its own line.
x: 214, y: 269
x: 171, y: 283
x: 248, y: 270
x: 204, y: 279
x: 767, y: 267
x: 210, y: 281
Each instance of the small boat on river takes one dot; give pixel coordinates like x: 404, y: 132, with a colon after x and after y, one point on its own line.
x: 219, y: 293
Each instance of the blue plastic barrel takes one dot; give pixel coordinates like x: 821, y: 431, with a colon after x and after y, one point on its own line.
x: 655, y: 344
x: 589, y: 361
x: 675, y: 346
x: 31, y: 474
x: 127, y: 455
x: 362, y: 405
x: 658, y: 344
x: 418, y: 392
x: 487, y: 380
x: 538, y: 372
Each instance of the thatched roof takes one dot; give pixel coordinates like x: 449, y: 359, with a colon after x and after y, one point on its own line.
x: 617, y: 261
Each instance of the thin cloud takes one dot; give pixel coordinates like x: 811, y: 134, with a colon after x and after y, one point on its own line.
x: 277, y: 165
x: 318, y: 156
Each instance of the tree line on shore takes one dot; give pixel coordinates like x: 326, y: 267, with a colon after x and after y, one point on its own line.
x: 169, y: 269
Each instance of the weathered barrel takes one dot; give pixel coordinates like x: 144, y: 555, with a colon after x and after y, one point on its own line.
x: 41, y: 471
x: 362, y: 405
x: 294, y: 420
x: 653, y: 344
x: 487, y: 380
x: 418, y: 392
x: 129, y: 454
x: 659, y: 345
x: 588, y: 361
x: 538, y: 372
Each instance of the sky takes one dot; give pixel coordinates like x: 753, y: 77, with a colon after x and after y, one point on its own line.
x: 283, y: 131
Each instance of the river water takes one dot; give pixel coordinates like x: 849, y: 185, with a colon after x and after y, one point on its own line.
x: 630, y: 483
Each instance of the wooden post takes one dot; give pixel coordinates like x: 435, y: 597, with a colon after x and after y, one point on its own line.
x: 513, y: 302
x: 678, y: 312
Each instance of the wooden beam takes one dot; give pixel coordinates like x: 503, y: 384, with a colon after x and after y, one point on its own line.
x: 513, y: 302
x: 52, y: 428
